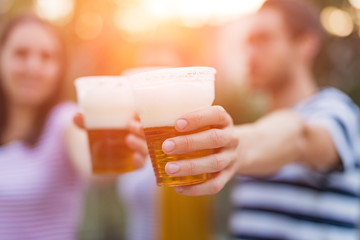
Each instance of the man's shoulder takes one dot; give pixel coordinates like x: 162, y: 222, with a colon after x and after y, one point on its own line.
x: 334, y: 93
x: 329, y: 99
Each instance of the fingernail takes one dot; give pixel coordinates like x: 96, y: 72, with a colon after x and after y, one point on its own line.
x: 181, y: 124
x: 168, y: 146
x: 172, y: 168
x: 179, y: 189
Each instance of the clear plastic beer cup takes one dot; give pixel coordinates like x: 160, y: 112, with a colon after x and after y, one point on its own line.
x: 108, y: 105
x: 163, y: 96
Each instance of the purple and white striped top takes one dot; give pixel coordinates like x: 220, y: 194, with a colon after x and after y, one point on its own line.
x: 40, y: 190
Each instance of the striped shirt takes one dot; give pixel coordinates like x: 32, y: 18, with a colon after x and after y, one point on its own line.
x: 40, y: 191
x: 299, y: 203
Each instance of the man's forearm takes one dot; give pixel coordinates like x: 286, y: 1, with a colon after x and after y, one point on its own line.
x: 282, y: 138
x: 270, y: 143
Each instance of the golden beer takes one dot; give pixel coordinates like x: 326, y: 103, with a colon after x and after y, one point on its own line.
x: 108, y: 106
x: 155, y: 137
x: 109, y: 151
x: 184, y: 217
x: 163, y: 96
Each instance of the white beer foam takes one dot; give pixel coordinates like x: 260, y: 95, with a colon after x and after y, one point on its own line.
x: 107, y: 102
x: 162, y: 104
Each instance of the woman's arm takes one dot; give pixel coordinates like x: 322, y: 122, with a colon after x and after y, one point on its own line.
x: 76, y: 143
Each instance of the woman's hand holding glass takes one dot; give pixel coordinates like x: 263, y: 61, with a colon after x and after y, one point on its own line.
x: 135, y: 140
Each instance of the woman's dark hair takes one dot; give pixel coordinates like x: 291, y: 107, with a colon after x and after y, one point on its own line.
x: 45, y: 108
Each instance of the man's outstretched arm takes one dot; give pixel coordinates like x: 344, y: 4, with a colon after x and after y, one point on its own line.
x: 258, y: 149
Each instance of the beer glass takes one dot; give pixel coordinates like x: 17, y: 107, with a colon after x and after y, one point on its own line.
x: 107, y: 104
x: 163, y: 96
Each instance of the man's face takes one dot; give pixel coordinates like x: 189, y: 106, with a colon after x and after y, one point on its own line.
x: 270, y: 51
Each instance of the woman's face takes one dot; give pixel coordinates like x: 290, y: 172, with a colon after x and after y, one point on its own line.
x: 29, y: 64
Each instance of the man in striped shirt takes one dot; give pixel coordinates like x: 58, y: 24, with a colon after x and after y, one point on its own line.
x: 300, y: 202
x: 298, y: 168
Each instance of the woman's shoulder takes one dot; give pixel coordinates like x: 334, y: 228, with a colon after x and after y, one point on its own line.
x: 64, y: 108
x: 60, y: 117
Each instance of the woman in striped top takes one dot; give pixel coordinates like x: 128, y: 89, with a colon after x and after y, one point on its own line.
x: 43, y: 157
x: 40, y: 186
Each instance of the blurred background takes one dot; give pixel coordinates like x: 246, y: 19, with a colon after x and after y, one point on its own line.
x: 108, y: 37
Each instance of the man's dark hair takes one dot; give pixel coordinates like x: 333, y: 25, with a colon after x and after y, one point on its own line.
x: 300, y: 17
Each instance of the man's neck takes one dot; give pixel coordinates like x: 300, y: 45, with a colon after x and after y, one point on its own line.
x: 298, y: 88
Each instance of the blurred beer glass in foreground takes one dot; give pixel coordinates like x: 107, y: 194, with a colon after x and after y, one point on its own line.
x: 108, y: 106
x: 163, y: 96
